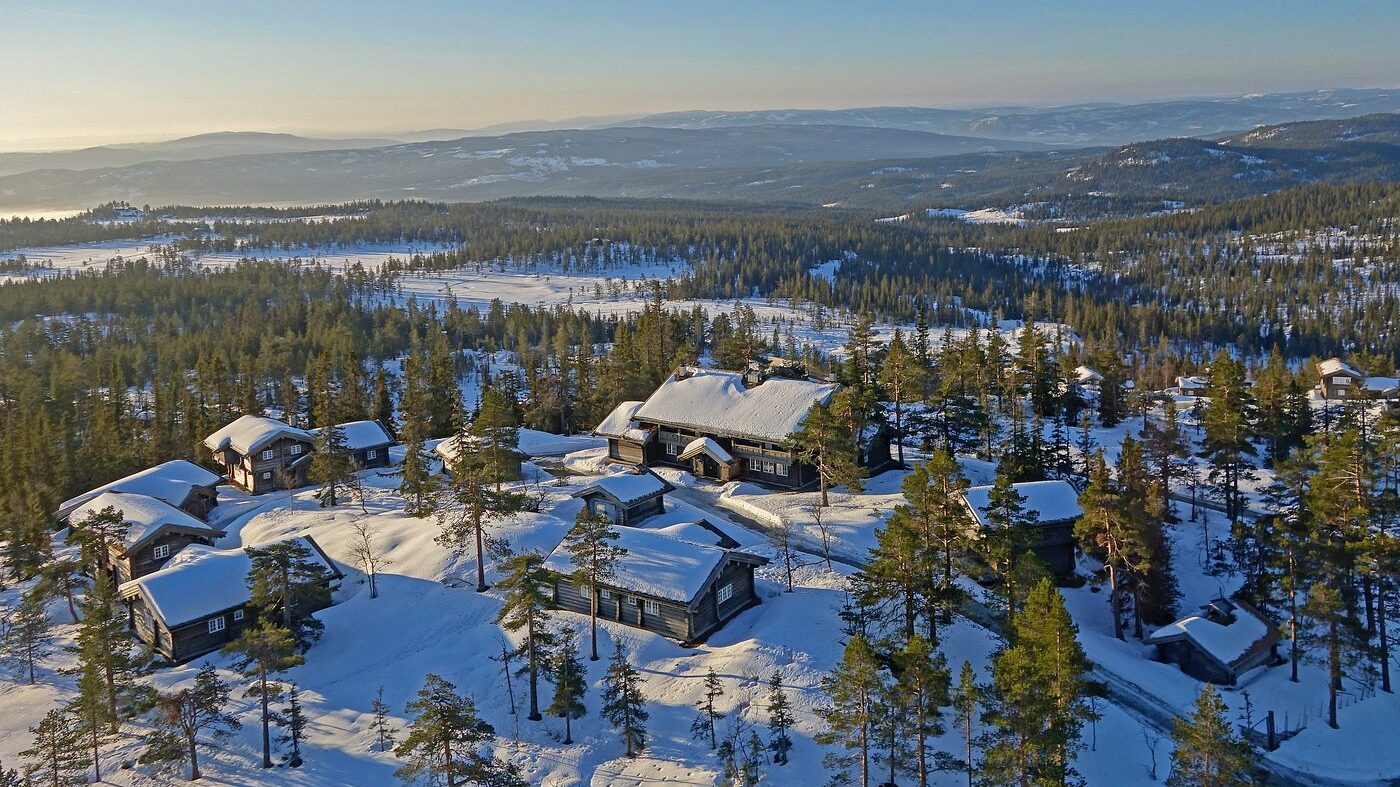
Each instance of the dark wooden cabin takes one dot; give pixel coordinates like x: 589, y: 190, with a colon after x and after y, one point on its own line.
x: 626, y: 498
x: 261, y: 454
x: 155, y: 532
x: 184, y: 485
x: 677, y: 588
x: 1225, y: 640
x: 199, y: 602
x: 1056, y: 505
x: 367, y: 441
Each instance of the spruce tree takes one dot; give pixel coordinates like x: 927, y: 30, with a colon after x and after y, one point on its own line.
x: 28, y: 638
x: 470, y: 503
x: 383, y: 732
x: 780, y: 720
x: 292, y: 720
x: 331, y: 464
x: 849, y: 715
x: 570, y: 683
x: 1207, y: 754
x: 965, y: 702
x: 826, y: 444
x: 1227, y: 445
x: 528, y: 599
x: 902, y: 377
x: 416, y: 485
x: 103, y: 638
x: 704, y: 725
x: 593, y: 551
x: 1006, y: 538
x: 496, y: 437
x: 624, y: 704
x: 382, y: 402
x: 188, y: 716
x: 445, y: 740
x: 262, y: 651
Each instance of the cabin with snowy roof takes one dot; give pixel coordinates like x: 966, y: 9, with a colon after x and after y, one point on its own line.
x: 626, y: 498
x: 261, y: 454
x: 184, y: 485
x: 1226, y: 639
x: 729, y: 426
x: 1056, y: 508
x: 1337, y: 379
x: 672, y: 586
x: 368, y: 443
x: 198, y: 603
x: 512, y: 460
x: 154, y: 532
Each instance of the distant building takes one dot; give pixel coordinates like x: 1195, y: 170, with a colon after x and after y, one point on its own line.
x: 626, y: 498
x: 1192, y: 386
x: 199, y: 602
x: 674, y: 587
x: 1056, y: 507
x: 729, y: 426
x: 1338, y: 379
x: 1227, y: 639
x: 155, y: 532
x: 262, y: 454
x: 512, y: 463
x: 367, y: 441
x: 184, y: 485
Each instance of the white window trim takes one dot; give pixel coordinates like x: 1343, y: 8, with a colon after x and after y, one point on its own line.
x: 296, y: 449
x: 217, y: 624
x: 267, y: 454
x: 652, y: 607
x: 780, y: 469
x: 238, y: 614
x: 161, y: 551
x: 756, y: 465
x: 372, y: 453
x: 631, y: 601
x: 605, y: 593
x: 673, y: 449
x: 267, y: 475
x: 725, y: 593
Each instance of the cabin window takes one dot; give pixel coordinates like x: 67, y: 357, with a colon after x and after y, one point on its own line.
x: 652, y: 607
x: 267, y: 475
x: 296, y: 449
x: 605, y: 594
x: 764, y: 466
x: 372, y: 453
x: 267, y: 454
x: 673, y: 448
x: 161, y: 552
x: 725, y: 593
x: 216, y: 625
x: 631, y: 601
x: 780, y: 469
x: 237, y: 615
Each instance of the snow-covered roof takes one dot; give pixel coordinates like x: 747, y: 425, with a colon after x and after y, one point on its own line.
x: 1053, y: 501
x: 656, y: 565
x: 708, y: 446
x: 619, y: 421
x: 446, y: 449
x: 717, y: 402
x: 628, y: 488
x: 1087, y: 374
x: 1381, y: 385
x: 249, y: 433
x: 144, y: 516
x: 1192, y: 383
x: 1227, y: 643
x: 360, y: 435
x: 1333, y: 366
x: 699, y: 532
x: 200, y: 581
x: 169, y: 481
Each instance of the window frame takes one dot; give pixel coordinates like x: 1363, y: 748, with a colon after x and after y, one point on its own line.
x: 237, y: 615
x: 295, y: 449
x: 673, y: 449
x: 266, y: 475
x: 267, y: 454
x: 217, y: 624
x: 651, y: 606
x: 725, y: 593
x: 372, y: 453
x: 160, y: 551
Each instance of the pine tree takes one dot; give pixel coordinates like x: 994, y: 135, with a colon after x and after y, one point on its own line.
x: 624, y: 705
x: 103, y: 638
x: 922, y: 683
x: 780, y: 720
x: 934, y: 492
x: 704, y: 725
x: 382, y: 402
x: 965, y: 702
x: 826, y: 444
x: 1153, y: 584
x: 1207, y: 754
x: 416, y: 485
x: 1164, y: 448
x: 849, y: 717
x: 286, y: 583
x: 59, y: 579
x: 593, y: 551
x: 470, y: 503
x: 902, y: 377
x: 95, y: 723
x: 1109, y: 530
x: 1227, y: 443
x: 331, y: 464
x: 28, y: 638
x: 293, y: 722
x: 56, y: 757
x: 570, y: 683
x: 496, y: 437
x: 97, y: 534
x: 184, y: 717
x: 383, y: 733
x: 528, y: 599
x: 1007, y: 537
x: 262, y: 651
x: 445, y: 739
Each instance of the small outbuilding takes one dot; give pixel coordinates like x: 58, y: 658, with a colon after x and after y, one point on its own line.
x: 626, y: 498
x: 199, y: 601
x: 512, y: 460
x: 676, y: 588
x: 1056, y: 508
x: 1225, y: 640
x: 155, y: 532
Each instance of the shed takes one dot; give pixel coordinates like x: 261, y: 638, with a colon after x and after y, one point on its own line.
x: 626, y: 498
x: 1056, y: 508
x: 674, y: 587
x: 1225, y: 640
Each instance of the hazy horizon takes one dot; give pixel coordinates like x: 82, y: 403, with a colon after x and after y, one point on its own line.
x: 88, y: 72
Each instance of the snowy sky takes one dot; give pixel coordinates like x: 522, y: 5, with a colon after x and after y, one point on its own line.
x: 86, y: 71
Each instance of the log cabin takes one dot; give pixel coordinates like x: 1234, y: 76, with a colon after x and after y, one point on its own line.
x: 260, y: 454
x: 184, y: 485
x: 626, y: 498
x: 1225, y: 640
x: 155, y: 532
x: 512, y: 461
x: 367, y: 441
x: 674, y: 587
x: 198, y: 603
x: 730, y: 426
x: 1056, y: 508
